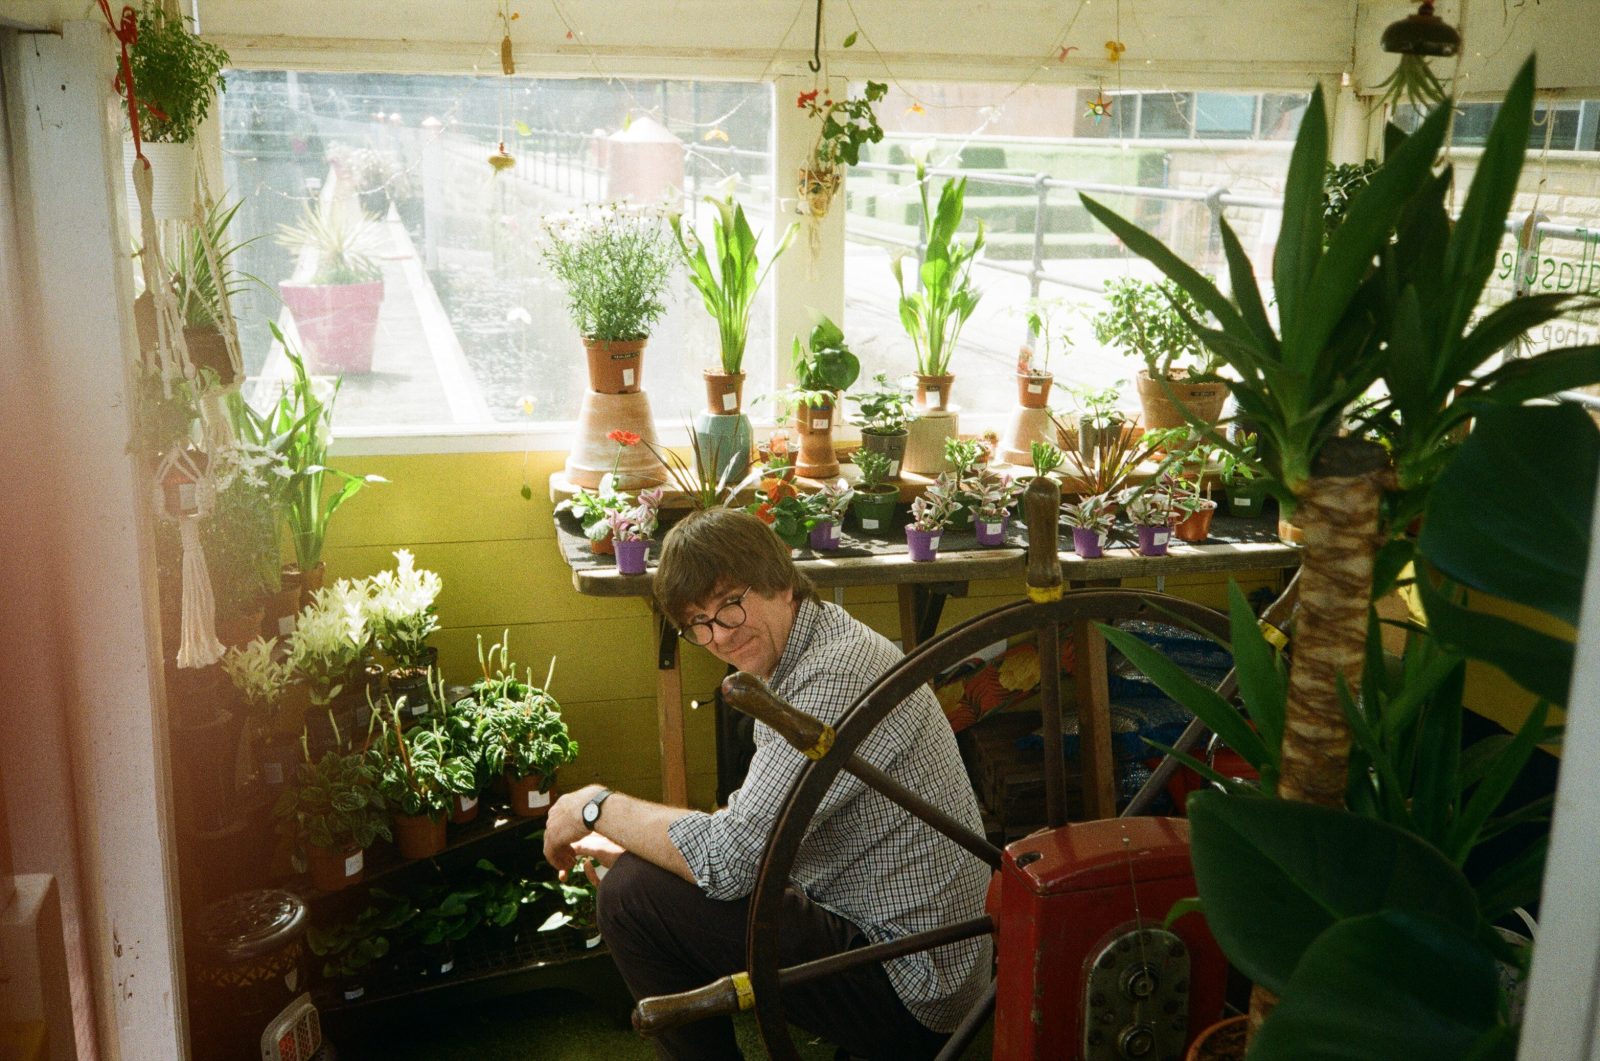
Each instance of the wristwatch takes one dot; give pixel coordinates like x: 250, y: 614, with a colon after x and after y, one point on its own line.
x: 591, y: 810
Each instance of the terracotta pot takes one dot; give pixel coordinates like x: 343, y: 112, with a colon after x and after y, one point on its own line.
x: 208, y: 349
x: 463, y: 809
x: 604, y: 547
x: 1033, y: 391
x: 333, y: 868
x: 1288, y: 532
x: 1222, y: 1041
x: 615, y: 366
x: 933, y: 392
x: 237, y: 629
x: 281, y: 610
x: 1203, y: 400
x: 724, y: 392
x: 526, y: 799
x: 337, y: 324
x: 814, y: 424
x: 1196, y: 526
x: 419, y: 835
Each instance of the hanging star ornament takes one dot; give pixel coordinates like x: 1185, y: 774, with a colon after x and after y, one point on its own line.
x: 1098, y: 108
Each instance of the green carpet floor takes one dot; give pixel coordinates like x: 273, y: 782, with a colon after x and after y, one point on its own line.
x: 551, y: 1025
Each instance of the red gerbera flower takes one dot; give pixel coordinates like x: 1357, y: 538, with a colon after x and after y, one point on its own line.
x: 764, y: 513
x: 624, y: 438
x: 806, y: 97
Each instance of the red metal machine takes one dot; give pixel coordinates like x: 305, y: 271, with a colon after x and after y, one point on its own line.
x: 1085, y: 969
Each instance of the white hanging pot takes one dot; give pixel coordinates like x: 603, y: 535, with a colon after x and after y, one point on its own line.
x: 172, y: 177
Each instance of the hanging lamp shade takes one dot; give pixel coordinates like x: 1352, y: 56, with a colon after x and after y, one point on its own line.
x: 1423, y: 33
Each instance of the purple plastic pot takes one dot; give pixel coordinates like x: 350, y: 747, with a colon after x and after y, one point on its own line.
x: 1088, y: 544
x: 924, y: 545
x: 631, y: 557
x: 825, y: 535
x: 990, y: 533
x: 1153, y: 540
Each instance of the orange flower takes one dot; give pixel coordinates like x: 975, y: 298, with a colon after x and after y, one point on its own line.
x: 777, y: 489
x: 624, y: 438
x: 806, y: 97
x: 764, y: 513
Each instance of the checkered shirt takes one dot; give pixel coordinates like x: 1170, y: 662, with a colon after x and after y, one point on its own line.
x: 865, y: 858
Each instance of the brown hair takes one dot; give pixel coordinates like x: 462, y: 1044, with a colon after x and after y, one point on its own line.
x: 721, y: 547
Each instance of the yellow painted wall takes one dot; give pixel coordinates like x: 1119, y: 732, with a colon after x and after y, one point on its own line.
x: 464, y: 517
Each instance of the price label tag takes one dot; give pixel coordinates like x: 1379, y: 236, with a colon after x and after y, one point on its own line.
x: 447, y: 966
x: 870, y: 524
x: 353, y: 992
x: 627, y: 377
x: 353, y: 864
x: 992, y: 528
x: 1035, y: 388
x: 820, y: 423
x: 466, y: 803
x: 729, y: 400
x: 894, y: 467
x: 272, y: 773
x: 1160, y: 537
x: 933, y: 543
x: 285, y: 625
x: 537, y: 799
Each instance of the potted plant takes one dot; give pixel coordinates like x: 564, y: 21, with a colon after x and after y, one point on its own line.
x: 240, y: 538
x: 1090, y: 519
x: 1033, y: 370
x: 822, y: 368
x: 331, y: 815
x: 930, y: 515
x: 1099, y: 418
x: 884, y: 414
x: 401, y: 616
x: 578, y: 897
x: 778, y: 505
x: 631, y: 529
x: 1106, y: 468
x: 728, y: 287
x: 935, y: 311
x: 445, y: 916
x: 776, y: 458
x: 1046, y: 458
x: 419, y: 776
x: 350, y: 949
x: 964, y: 457
x: 591, y: 510
x: 526, y: 740
x: 175, y: 73
x: 1146, y: 320
x: 203, y: 292
x: 826, y: 508
x: 1238, y: 471
x: 989, y: 495
x: 324, y: 648
x: 336, y: 308
x: 1152, y: 511
x: 615, y: 262
x: 262, y: 677
x: 875, y: 497
x: 848, y: 125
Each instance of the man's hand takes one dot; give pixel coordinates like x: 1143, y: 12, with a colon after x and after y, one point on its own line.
x: 563, y: 827
x: 599, y: 851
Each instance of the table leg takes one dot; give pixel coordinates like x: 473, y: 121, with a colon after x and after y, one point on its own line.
x: 669, y: 721
x: 908, y: 616
x: 1094, y: 716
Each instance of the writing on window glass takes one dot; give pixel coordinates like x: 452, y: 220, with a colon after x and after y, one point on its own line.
x: 1558, y: 272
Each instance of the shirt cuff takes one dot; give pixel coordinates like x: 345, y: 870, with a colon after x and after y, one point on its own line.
x: 689, y: 835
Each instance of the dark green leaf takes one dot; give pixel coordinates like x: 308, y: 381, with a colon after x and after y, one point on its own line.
x: 1300, y: 237
x: 1539, y: 663
x: 1495, y: 786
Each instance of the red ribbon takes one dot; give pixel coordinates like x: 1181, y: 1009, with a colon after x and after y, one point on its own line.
x: 127, y: 32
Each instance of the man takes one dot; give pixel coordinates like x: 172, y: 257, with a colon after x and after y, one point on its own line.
x: 674, y: 902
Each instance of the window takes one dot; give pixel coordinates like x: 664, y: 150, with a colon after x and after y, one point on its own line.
x: 1002, y: 149
x: 470, y: 332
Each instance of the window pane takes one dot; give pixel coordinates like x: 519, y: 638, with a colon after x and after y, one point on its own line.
x: 1038, y: 130
x: 470, y: 329
x: 1224, y: 115
x: 1165, y: 115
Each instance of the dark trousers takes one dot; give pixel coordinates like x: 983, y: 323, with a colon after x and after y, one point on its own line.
x: 667, y: 936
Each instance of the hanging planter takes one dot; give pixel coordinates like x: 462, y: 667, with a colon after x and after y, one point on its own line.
x: 848, y: 125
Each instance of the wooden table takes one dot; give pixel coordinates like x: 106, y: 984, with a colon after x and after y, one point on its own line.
x: 922, y: 588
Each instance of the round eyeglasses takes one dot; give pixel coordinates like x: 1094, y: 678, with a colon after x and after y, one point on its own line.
x: 730, y: 617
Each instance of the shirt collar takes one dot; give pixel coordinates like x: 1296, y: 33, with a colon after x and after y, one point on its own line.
x: 807, y: 618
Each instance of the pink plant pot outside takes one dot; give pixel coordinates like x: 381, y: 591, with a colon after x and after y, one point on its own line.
x: 923, y: 545
x: 990, y: 534
x: 825, y: 536
x: 337, y: 324
x: 1153, y: 540
x: 1087, y: 543
x: 631, y: 557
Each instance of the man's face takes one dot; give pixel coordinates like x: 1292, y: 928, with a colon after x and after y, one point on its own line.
x: 756, y: 645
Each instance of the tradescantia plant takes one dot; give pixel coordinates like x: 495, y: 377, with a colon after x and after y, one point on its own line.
x: 730, y: 276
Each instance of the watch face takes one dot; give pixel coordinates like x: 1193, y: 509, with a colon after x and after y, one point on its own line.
x: 591, y: 813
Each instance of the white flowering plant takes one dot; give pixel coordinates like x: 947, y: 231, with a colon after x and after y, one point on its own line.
x: 400, y: 611
x: 614, y: 261
x: 329, y: 637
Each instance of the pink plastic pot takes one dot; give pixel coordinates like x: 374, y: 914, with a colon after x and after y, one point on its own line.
x: 631, y: 556
x: 337, y: 324
x: 825, y: 536
x: 924, y: 545
x: 1088, y: 544
x: 1153, y: 540
x: 990, y: 533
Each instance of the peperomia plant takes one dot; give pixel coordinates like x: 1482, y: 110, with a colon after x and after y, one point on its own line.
x: 527, y: 737
x: 417, y: 771
x: 334, y: 802
x: 349, y: 948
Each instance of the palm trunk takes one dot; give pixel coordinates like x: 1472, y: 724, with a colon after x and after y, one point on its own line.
x: 1338, y: 512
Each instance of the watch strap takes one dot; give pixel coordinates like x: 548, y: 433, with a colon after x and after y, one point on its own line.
x: 599, y: 798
